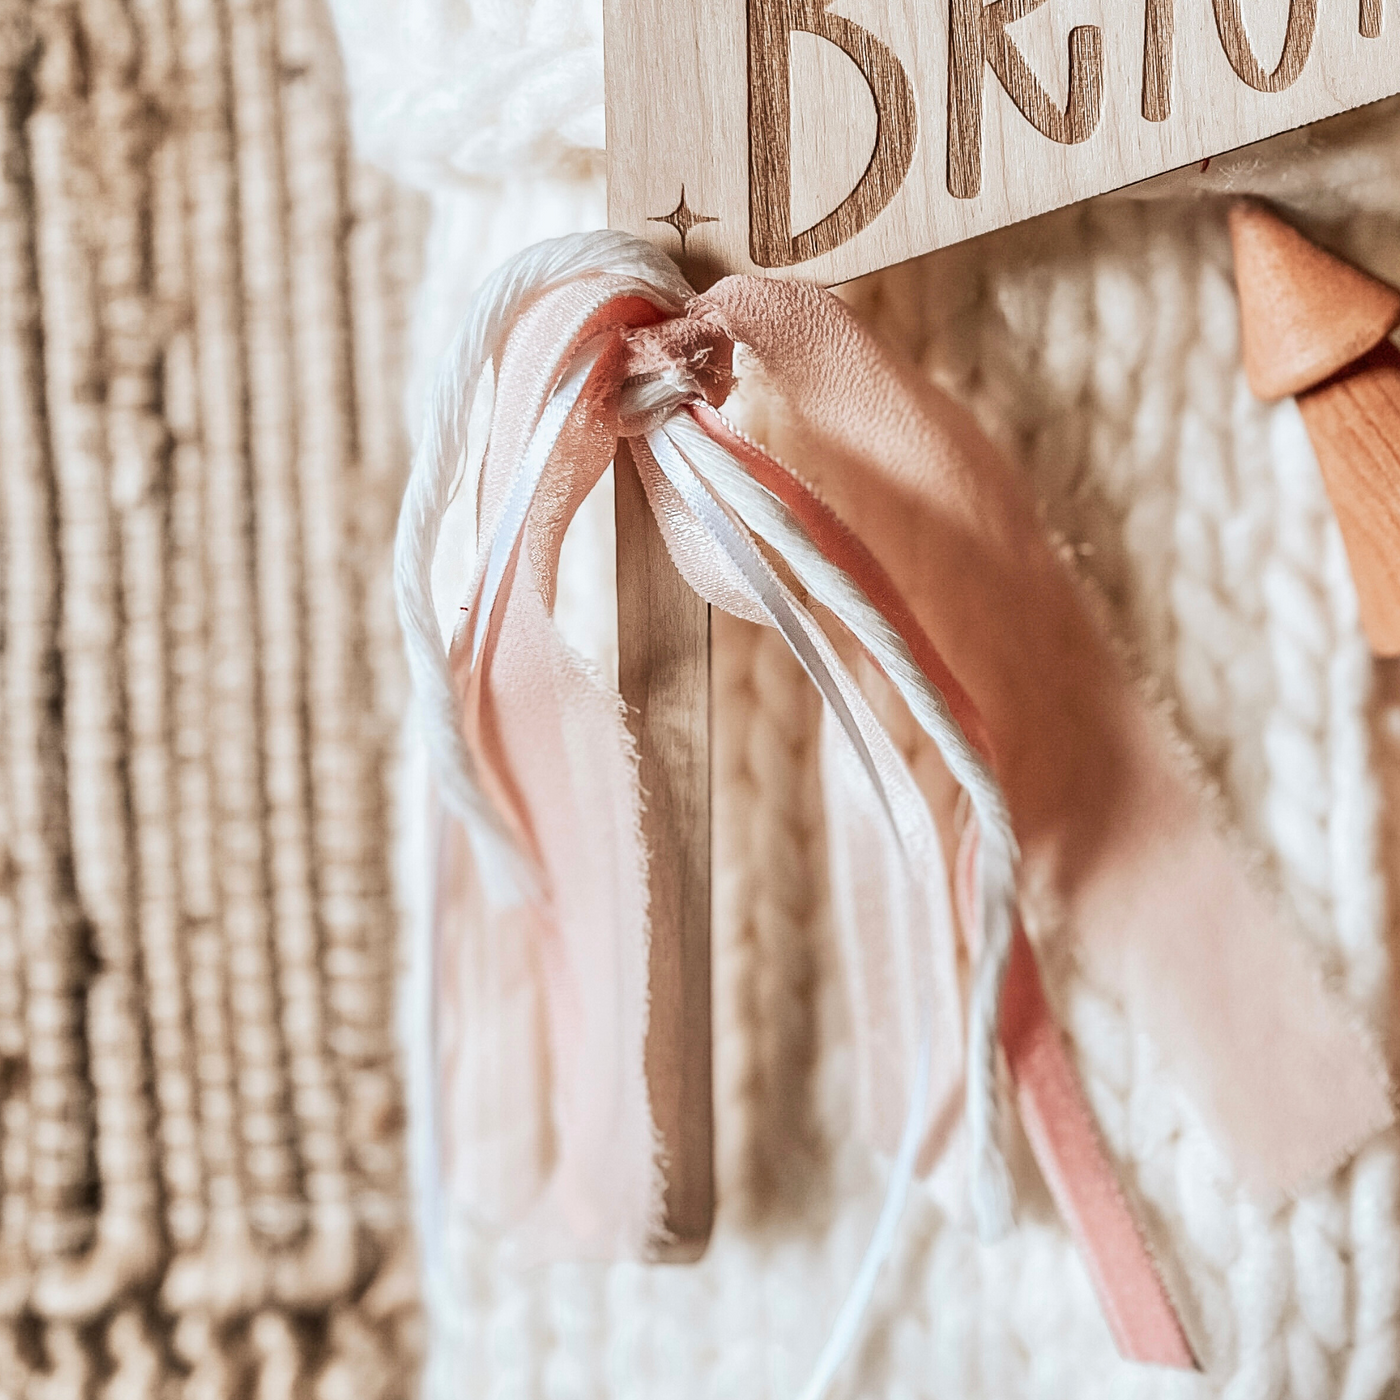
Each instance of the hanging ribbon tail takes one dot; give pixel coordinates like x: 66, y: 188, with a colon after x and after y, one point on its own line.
x: 1061, y: 1130
x: 552, y: 749
x: 1054, y: 1113
x: 902, y: 960
x: 1060, y: 1127
x: 1119, y: 853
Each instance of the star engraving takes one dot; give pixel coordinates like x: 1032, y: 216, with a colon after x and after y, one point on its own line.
x: 683, y: 219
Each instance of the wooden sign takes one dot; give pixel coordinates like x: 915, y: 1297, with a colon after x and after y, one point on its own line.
x: 828, y: 138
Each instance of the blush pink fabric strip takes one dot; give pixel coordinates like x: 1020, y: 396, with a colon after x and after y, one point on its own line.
x: 1056, y: 1118
x: 1060, y: 1128
x: 1062, y: 1134
x: 551, y: 739
x: 1120, y: 855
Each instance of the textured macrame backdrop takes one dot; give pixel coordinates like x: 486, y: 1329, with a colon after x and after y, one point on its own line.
x: 1100, y: 346
x: 200, y: 449
x: 202, y: 1184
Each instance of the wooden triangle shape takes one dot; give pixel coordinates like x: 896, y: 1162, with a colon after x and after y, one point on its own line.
x: 1304, y: 314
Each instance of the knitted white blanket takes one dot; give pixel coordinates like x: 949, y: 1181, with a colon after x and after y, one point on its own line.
x: 1100, y: 346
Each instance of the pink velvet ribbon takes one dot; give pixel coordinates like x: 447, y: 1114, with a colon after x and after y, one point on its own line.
x: 542, y: 1006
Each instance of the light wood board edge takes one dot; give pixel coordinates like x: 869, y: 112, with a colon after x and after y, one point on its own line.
x: 1161, y: 85
x: 663, y: 632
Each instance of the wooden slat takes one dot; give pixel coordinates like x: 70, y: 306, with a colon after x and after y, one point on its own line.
x: 663, y: 672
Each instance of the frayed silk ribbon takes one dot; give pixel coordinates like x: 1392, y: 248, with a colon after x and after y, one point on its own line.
x: 906, y: 554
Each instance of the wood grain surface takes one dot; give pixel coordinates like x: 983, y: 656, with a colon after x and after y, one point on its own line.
x: 663, y: 672
x: 952, y: 117
x: 1354, y: 423
x: 1314, y: 326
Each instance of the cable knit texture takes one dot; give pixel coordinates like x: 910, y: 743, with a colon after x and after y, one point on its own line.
x: 1099, y: 346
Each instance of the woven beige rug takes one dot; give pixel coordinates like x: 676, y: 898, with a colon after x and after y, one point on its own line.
x: 201, y: 313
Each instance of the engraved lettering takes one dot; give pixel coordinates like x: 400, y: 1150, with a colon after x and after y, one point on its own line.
x: 1297, y: 44
x: 978, y: 39
x: 1157, y: 59
x: 772, y: 242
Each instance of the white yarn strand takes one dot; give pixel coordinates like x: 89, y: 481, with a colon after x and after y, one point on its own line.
x: 845, y: 1331
x: 744, y: 554
x: 526, y: 484
x: 759, y: 575
x: 772, y: 522
x: 440, y: 458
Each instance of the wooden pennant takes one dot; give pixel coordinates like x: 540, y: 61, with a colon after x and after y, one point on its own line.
x: 1318, y: 328
x: 828, y: 138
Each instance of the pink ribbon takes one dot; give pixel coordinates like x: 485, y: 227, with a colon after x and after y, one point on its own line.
x: 1057, y: 1120
x: 542, y: 992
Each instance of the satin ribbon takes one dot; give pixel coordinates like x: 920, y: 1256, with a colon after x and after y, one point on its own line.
x: 906, y: 528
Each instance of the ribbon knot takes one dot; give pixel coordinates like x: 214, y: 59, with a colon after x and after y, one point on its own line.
x: 671, y: 364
